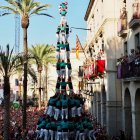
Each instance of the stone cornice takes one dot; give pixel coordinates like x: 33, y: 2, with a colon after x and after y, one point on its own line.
x: 100, y: 29
x: 88, y: 9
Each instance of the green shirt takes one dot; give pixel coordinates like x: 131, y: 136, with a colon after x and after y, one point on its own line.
x: 64, y: 124
x: 58, y: 45
x: 89, y: 125
x: 63, y: 5
x: 52, y: 101
x: 58, y: 103
x: 71, y: 125
x: 53, y: 125
x: 63, y: 13
x: 69, y: 66
x: 63, y: 83
x: 77, y: 102
x: 63, y: 65
x: 42, y: 124
x: 58, y: 29
x: 48, y: 125
x: 62, y: 46
x: 72, y: 101
x: 64, y: 102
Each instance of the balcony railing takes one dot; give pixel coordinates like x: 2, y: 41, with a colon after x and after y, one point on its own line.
x: 122, y: 24
x: 135, y: 21
x: 129, y: 70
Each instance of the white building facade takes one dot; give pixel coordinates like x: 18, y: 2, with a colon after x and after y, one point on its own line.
x: 115, y: 31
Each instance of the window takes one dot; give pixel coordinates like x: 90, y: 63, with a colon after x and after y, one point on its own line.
x: 125, y: 48
x: 80, y: 71
x: 103, y: 47
x: 137, y: 41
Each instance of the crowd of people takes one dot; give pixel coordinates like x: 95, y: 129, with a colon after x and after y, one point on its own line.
x: 16, y: 132
x: 33, y: 130
x: 129, y: 65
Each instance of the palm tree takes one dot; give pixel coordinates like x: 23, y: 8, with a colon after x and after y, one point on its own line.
x: 8, y: 66
x: 30, y: 73
x: 25, y: 8
x: 42, y: 55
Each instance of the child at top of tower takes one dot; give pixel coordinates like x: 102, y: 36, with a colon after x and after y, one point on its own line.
x: 63, y: 8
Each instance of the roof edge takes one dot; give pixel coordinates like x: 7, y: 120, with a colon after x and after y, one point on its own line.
x: 88, y: 9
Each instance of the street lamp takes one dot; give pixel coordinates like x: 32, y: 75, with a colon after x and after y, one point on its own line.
x: 78, y: 28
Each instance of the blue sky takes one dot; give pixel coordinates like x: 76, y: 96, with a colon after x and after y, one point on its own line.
x: 42, y: 29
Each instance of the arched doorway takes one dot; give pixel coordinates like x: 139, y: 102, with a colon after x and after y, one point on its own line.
x: 127, y: 112
x: 137, y: 114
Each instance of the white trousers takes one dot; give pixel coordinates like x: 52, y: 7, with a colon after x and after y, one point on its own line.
x: 52, y: 134
x: 82, y: 136
x: 62, y: 54
x: 64, y: 113
x: 68, y: 54
x: 58, y: 54
x: 73, y: 111
x: 67, y: 36
x: 58, y: 73
x: 63, y: 37
x: 69, y: 72
x: 37, y: 134
x: 79, y: 111
x: 77, y: 134
x: 65, y: 135
x: 41, y: 133
x: 91, y: 135
x: 57, y: 113
x: 63, y: 72
x: 50, y: 111
x: 59, y: 135
x: 46, y: 134
x: 58, y: 37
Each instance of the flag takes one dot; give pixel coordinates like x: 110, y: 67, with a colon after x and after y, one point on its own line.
x: 78, y: 46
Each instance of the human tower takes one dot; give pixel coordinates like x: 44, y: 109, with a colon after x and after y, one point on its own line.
x: 64, y: 117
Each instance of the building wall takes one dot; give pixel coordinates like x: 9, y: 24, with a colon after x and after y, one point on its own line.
x: 119, y: 102
x: 107, y: 102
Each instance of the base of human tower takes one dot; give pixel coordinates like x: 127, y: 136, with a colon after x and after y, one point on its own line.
x: 66, y: 119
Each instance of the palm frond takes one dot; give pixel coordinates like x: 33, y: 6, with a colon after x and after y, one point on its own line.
x: 37, y: 8
x: 9, y: 8
x: 32, y: 73
x: 44, y: 14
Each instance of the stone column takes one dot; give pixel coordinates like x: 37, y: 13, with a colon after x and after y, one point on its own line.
x: 98, y: 100
x: 103, y: 108
x: 133, y: 123
x: 114, y: 117
x: 94, y: 105
x: 127, y: 120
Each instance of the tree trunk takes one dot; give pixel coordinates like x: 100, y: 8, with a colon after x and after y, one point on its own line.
x: 39, y: 90
x: 46, y: 87
x: 6, y: 108
x: 25, y: 79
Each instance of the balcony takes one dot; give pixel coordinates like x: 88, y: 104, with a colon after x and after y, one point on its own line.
x: 129, y: 71
x: 122, y: 24
x: 135, y: 21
